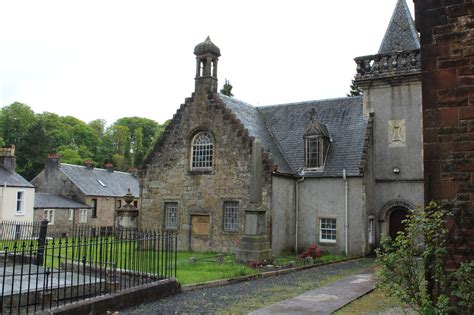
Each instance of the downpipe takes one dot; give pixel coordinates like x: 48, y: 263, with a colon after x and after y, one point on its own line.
x: 346, y: 215
x: 297, y: 210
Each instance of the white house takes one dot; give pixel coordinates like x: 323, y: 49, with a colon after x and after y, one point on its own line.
x: 17, y: 195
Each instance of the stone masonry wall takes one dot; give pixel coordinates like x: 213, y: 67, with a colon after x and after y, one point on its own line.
x: 447, y: 40
x: 168, y: 177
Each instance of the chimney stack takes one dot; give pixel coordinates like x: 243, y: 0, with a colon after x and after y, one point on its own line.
x: 110, y: 167
x: 89, y: 164
x: 7, y: 158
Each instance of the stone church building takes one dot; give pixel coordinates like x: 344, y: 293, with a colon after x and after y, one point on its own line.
x: 230, y: 176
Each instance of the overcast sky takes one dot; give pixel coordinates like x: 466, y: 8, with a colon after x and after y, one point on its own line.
x: 110, y: 58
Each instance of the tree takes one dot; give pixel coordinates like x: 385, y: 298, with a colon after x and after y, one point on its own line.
x: 227, y: 89
x: 355, y: 90
x: 15, y: 120
x: 413, y: 265
x: 98, y: 125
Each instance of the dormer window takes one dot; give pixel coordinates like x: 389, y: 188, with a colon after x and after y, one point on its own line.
x: 202, y: 151
x: 316, y: 144
x: 314, y: 152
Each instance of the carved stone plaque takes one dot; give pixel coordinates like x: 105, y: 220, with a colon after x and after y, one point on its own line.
x: 200, y: 224
x: 396, y: 133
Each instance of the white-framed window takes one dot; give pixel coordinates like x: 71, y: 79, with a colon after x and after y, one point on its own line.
x: 231, y: 216
x: 327, y: 230
x: 314, y: 152
x: 20, y: 202
x: 71, y: 214
x: 171, y: 215
x: 48, y: 214
x: 83, y: 216
x: 202, y: 151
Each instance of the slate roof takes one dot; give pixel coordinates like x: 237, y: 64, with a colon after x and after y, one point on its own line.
x: 253, y: 121
x: 12, y: 179
x: 52, y: 201
x: 401, y: 32
x: 281, y: 128
x: 89, y: 181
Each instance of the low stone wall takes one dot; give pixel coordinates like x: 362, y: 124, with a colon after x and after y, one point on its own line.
x: 119, y: 300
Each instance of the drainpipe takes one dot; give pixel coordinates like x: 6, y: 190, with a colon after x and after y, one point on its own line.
x: 346, y: 216
x: 297, y: 208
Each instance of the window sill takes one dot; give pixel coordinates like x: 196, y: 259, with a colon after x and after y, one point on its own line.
x: 230, y: 232
x: 327, y: 242
x: 20, y: 214
x: 201, y: 172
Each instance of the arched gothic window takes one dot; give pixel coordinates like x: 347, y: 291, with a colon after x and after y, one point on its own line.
x: 202, y: 151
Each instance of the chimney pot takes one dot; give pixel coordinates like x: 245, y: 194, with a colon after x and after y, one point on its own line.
x: 89, y: 164
x: 109, y: 167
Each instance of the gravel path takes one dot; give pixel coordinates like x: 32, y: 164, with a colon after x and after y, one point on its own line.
x: 247, y: 296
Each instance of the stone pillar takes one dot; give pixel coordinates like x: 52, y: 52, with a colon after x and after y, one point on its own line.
x: 254, y: 244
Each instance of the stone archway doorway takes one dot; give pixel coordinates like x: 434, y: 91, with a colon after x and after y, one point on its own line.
x: 397, y: 215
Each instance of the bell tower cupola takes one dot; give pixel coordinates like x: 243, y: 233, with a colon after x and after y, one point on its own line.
x: 207, y: 56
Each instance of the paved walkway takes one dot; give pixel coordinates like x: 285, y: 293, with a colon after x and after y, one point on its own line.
x: 245, y: 297
x: 324, y: 300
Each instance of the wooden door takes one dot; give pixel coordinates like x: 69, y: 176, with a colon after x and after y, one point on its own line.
x: 397, y: 215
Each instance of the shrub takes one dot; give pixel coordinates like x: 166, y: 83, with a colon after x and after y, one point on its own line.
x: 312, y: 251
x: 413, y: 265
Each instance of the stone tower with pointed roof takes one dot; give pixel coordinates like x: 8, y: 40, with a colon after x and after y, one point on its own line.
x: 391, y: 84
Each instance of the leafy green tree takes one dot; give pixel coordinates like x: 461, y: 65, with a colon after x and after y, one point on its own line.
x: 227, y: 89
x: 73, y: 155
x: 355, y: 90
x: 32, y: 151
x: 413, y: 265
x: 15, y: 121
x: 98, y: 125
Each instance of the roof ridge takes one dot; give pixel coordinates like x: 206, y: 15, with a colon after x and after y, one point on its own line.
x: 310, y: 101
x: 95, y: 168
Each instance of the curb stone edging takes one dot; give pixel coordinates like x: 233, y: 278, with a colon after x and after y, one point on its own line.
x: 123, y: 299
x: 267, y: 274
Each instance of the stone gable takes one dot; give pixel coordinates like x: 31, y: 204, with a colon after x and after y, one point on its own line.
x: 169, y: 177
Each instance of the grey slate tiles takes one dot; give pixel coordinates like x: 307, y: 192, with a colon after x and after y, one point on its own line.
x: 401, y: 33
x: 12, y: 179
x: 281, y: 128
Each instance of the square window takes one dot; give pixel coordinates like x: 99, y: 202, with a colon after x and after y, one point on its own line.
x: 171, y: 215
x: 231, y: 216
x: 327, y: 230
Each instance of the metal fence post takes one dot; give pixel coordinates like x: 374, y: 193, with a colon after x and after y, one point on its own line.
x: 42, y: 241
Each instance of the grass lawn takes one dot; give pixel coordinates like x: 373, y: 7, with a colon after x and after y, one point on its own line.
x: 128, y: 255
x: 207, y: 269
x: 373, y: 303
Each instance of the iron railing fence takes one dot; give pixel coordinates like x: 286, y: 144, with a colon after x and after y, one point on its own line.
x: 37, y: 276
x: 12, y: 232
